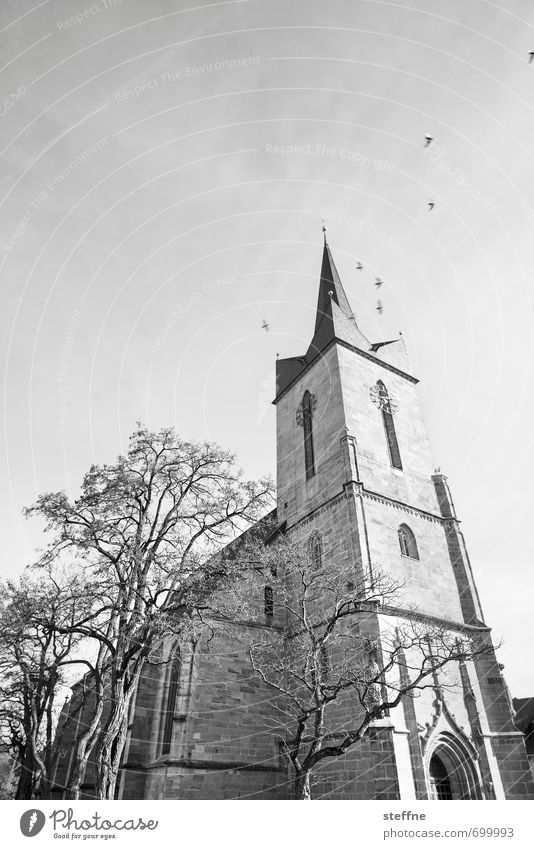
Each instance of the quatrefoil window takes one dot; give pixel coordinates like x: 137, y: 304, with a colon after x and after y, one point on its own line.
x: 383, y: 399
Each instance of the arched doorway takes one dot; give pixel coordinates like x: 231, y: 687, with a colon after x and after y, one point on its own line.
x: 440, y: 780
x: 451, y: 771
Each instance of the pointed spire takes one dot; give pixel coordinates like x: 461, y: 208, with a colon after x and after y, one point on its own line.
x: 335, y: 321
x: 330, y: 282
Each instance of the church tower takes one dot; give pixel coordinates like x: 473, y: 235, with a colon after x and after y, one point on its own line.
x: 354, y: 466
x: 354, y: 476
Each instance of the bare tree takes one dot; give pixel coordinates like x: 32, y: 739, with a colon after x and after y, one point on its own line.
x: 146, y: 528
x: 342, y: 651
x: 36, y: 646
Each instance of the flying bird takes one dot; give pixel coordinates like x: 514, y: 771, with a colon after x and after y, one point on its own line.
x: 379, y: 307
x: 428, y: 140
x: 530, y: 57
x: 265, y: 325
x: 431, y: 205
x: 359, y: 267
x: 376, y: 345
x: 378, y: 282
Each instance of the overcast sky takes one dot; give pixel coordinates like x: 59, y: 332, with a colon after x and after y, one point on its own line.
x: 164, y: 169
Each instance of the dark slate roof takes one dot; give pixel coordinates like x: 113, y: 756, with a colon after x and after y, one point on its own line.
x: 264, y: 530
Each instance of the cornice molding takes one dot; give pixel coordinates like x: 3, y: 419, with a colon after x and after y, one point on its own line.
x: 358, y: 489
x: 401, y: 505
x: 365, y: 354
x: 449, y: 624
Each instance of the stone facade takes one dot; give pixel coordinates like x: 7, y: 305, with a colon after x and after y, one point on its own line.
x: 457, y: 737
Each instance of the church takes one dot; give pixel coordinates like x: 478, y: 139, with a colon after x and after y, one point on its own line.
x: 354, y: 471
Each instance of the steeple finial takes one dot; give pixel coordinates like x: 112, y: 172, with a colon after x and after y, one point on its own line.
x: 323, y: 228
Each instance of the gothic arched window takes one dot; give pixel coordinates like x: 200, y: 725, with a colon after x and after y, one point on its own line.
x: 386, y: 408
x: 268, y: 601
x: 172, y: 691
x: 408, y: 545
x: 316, y: 550
x: 307, y: 413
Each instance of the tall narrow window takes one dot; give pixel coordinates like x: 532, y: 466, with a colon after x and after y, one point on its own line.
x: 408, y: 545
x: 172, y: 692
x: 316, y: 550
x: 268, y: 601
x: 307, y: 413
x: 389, y: 426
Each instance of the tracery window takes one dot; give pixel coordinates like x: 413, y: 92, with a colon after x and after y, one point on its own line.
x: 386, y: 407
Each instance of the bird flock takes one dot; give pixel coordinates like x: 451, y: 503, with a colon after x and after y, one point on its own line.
x: 431, y: 204
x: 359, y: 266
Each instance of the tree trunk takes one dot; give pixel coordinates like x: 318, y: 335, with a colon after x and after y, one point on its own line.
x: 105, y: 781
x: 44, y: 786
x: 90, y: 712
x: 82, y: 753
x: 108, y: 765
x: 41, y: 778
x: 27, y: 776
x: 302, y: 786
x: 77, y: 775
x: 120, y: 744
x: 109, y: 749
x: 112, y: 740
